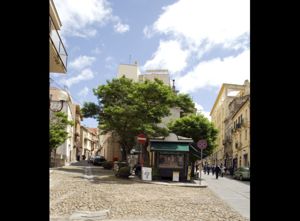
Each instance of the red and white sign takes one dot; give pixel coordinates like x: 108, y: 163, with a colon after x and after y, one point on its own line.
x: 202, y: 144
x: 141, y: 138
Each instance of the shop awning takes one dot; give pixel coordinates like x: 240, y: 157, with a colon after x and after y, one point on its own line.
x: 169, y: 146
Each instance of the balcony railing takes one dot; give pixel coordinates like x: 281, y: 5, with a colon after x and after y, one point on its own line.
x: 57, y: 42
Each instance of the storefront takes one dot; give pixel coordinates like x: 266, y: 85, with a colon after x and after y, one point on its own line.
x: 170, y: 156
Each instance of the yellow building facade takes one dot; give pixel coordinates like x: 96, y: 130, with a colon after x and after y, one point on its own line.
x: 220, y: 114
x: 241, y: 135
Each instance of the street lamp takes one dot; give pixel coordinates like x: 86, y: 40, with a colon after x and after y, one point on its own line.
x: 55, y: 106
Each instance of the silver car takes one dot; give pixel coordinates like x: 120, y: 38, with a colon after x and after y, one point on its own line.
x: 242, y: 173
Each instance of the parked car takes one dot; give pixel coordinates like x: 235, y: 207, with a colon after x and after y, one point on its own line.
x: 91, y: 159
x: 242, y: 173
x: 98, y: 160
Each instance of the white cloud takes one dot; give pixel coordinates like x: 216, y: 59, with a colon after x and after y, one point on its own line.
x: 217, y: 21
x: 169, y: 55
x: 85, y: 74
x: 200, y: 109
x: 82, y: 62
x: 79, y: 17
x: 84, y: 92
x: 121, y: 28
x: 216, y: 72
x: 147, y: 32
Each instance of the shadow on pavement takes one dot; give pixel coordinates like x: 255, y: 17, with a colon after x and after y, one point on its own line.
x: 80, y: 163
x: 71, y: 170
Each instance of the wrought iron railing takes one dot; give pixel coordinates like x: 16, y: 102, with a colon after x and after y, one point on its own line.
x: 57, y: 42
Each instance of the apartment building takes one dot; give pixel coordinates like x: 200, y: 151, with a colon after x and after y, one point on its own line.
x: 66, y: 152
x: 89, y: 138
x: 220, y: 117
x: 241, y: 135
x: 57, y: 52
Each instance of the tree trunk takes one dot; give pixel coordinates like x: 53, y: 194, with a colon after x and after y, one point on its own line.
x: 124, y: 154
x: 146, y: 156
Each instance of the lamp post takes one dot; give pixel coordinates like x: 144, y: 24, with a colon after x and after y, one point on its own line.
x: 55, y: 106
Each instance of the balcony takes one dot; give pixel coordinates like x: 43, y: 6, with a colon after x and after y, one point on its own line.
x: 238, y: 145
x: 58, y: 53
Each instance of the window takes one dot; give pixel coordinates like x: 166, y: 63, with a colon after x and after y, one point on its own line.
x: 171, y: 161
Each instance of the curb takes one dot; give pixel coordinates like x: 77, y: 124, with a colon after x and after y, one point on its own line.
x: 194, y: 184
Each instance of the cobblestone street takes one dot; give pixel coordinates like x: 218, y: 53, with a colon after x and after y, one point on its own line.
x: 89, y: 188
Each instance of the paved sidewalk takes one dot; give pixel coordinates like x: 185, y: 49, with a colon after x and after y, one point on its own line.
x: 194, y: 183
x: 235, y: 193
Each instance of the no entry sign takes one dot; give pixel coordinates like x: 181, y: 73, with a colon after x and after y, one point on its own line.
x: 202, y: 144
x: 141, y: 138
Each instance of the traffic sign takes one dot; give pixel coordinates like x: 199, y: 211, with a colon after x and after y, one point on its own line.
x: 202, y: 144
x: 141, y: 138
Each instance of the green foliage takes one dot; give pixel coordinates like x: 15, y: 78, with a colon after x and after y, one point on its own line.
x: 129, y: 108
x: 124, y: 172
x: 57, y: 129
x: 108, y: 165
x: 196, y: 126
x: 186, y: 104
x: 90, y: 109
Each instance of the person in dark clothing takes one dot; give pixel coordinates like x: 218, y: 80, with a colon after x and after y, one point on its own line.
x: 213, y: 170
x: 137, y: 169
x: 217, y: 170
x: 208, y: 169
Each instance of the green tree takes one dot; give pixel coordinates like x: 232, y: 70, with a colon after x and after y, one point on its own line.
x: 57, y: 130
x: 186, y: 104
x: 129, y: 108
x: 196, y: 126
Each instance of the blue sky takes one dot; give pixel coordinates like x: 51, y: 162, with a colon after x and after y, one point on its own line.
x: 203, y: 43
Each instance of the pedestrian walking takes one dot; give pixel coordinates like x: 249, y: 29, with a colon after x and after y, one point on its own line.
x: 213, y: 168
x: 222, y: 170
x: 208, y: 169
x: 217, y: 171
x: 78, y: 156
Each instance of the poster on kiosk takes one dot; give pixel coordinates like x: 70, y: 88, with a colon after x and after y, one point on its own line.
x: 147, y: 173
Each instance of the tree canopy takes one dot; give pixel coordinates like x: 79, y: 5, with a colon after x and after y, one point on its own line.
x: 57, y: 129
x: 196, y: 126
x: 129, y: 108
